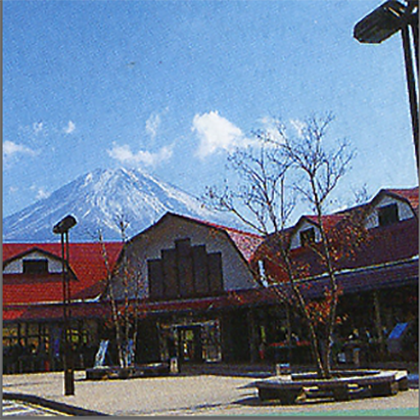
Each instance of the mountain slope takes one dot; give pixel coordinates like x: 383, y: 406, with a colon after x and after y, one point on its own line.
x: 97, y: 200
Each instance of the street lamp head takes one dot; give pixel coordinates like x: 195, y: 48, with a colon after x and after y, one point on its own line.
x: 64, y: 225
x: 381, y: 24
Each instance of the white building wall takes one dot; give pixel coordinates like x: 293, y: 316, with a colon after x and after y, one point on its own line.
x: 404, y: 211
x: 16, y: 266
x: 236, y: 273
x: 295, y: 241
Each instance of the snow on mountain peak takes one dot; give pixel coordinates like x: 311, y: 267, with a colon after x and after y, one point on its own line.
x: 97, y: 200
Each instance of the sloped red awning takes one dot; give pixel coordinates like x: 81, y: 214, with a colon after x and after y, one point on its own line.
x: 399, y: 274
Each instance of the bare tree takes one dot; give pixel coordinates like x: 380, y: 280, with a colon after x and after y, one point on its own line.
x: 122, y: 289
x: 272, y: 176
x: 259, y: 198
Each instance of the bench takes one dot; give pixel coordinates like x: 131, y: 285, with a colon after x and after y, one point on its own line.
x: 288, y: 388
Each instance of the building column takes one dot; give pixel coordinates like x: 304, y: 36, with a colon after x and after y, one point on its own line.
x: 289, y: 332
x: 378, y: 322
x: 226, y: 339
x: 253, y: 336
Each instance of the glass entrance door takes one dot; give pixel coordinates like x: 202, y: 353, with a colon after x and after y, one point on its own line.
x: 190, y: 343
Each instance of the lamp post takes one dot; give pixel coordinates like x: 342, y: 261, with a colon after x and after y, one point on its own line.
x: 386, y: 20
x: 62, y: 228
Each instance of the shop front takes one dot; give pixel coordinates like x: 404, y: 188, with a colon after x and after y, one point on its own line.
x: 191, y: 341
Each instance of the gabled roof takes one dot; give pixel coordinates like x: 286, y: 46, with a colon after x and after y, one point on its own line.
x: 411, y: 195
x: 26, y: 252
x: 86, y: 262
x: 246, y: 242
x: 272, y: 241
x: 329, y: 221
x: 379, y: 245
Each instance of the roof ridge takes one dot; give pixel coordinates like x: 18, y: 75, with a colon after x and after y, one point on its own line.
x: 216, y: 225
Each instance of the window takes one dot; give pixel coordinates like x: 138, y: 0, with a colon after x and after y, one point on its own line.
x: 185, y: 271
x: 307, y: 236
x: 388, y: 214
x: 35, y: 266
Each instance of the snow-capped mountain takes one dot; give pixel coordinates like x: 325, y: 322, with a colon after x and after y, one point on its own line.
x: 97, y: 200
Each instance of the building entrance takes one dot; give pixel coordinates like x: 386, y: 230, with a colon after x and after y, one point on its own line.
x: 190, y: 348
x: 191, y: 341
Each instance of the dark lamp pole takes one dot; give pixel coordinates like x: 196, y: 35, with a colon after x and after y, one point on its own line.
x: 62, y: 228
x: 379, y: 25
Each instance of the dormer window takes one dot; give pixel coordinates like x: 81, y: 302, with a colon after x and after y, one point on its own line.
x: 35, y: 266
x: 307, y: 236
x: 388, y: 215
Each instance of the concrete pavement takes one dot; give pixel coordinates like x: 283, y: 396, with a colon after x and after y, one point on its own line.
x: 191, y: 393
x: 23, y: 409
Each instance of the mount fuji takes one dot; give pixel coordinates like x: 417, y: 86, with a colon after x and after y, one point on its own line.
x: 97, y: 200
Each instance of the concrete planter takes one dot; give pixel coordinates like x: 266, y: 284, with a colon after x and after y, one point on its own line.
x: 136, y: 371
x: 343, y: 385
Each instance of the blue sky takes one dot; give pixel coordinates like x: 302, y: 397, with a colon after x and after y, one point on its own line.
x: 172, y: 86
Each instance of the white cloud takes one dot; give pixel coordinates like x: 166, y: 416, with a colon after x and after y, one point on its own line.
x: 273, y: 128
x: 153, y: 124
x: 71, y: 126
x: 38, y: 127
x: 12, y: 149
x: 124, y: 155
x: 217, y: 133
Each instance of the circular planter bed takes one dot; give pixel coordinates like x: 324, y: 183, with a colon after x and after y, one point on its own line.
x: 343, y: 385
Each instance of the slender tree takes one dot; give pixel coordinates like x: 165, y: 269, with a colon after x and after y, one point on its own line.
x: 122, y: 290
x: 270, y: 178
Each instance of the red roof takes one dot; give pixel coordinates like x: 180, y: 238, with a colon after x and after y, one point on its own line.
x: 409, y: 194
x: 351, y: 244
x: 246, y: 242
x: 350, y: 281
x: 403, y: 273
x: 86, y: 262
x: 51, y: 312
x: 328, y: 220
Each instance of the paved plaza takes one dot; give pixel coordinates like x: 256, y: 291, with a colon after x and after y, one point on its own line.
x: 190, y: 394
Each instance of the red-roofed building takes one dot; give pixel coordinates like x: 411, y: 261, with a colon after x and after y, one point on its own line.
x: 374, y: 251
x: 33, y: 294
x: 209, y: 292
x: 196, y: 282
x: 195, y: 274
x: 20, y: 279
